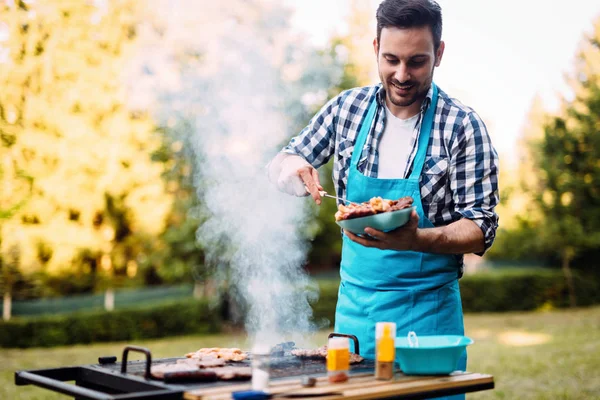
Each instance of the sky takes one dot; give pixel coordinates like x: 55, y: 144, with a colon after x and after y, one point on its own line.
x: 499, y: 54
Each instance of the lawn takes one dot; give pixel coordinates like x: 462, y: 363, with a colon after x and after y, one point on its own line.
x: 542, y: 355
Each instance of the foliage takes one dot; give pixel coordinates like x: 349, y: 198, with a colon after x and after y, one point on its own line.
x: 326, y: 243
x: 124, y: 298
x: 525, y: 290
x: 560, y: 218
x: 173, y: 319
x: 83, y: 193
x: 533, y: 355
x: 567, y: 157
x: 497, y: 291
x: 178, y: 256
x: 510, y: 290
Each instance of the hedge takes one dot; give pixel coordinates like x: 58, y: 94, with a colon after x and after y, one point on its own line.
x: 526, y: 290
x: 511, y: 290
x: 176, y: 318
x: 486, y: 292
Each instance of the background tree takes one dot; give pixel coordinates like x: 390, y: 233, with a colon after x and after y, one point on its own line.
x: 518, y: 211
x: 351, y: 54
x: 67, y: 133
x: 566, y: 158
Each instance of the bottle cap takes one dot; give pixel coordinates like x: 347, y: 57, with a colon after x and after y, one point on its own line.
x: 338, y: 343
x: 385, y: 329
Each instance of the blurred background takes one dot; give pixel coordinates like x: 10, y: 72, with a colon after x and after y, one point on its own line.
x: 134, y: 137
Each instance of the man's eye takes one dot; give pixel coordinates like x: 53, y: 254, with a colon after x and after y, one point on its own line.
x: 417, y: 63
x: 392, y: 61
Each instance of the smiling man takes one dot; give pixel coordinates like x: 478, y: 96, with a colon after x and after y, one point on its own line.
x: 402, y: 137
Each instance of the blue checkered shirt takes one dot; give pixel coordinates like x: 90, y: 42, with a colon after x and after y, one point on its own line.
x: 460, y: 175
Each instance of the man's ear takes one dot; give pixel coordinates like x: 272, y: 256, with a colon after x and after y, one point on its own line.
x: 376, y: 46
x: 439, y: 53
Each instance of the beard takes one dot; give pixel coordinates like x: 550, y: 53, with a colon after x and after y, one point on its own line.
x: 404, y: 94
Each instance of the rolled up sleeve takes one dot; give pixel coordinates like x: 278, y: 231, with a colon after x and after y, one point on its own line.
x: 474, y: 177
x: 316, y: 142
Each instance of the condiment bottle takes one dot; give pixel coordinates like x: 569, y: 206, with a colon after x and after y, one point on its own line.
x: 338, y: 359
x: 261, y: 355
x: 385, y: 332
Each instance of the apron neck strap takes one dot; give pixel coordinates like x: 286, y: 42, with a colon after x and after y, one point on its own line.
x: 424, y: 134
x: 365, y: 128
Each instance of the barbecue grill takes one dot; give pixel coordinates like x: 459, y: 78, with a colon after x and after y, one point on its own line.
x: 128, y: 380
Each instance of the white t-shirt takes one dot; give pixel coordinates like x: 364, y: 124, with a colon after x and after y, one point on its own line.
x: 394, y: 146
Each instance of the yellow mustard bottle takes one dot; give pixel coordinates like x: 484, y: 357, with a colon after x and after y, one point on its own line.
x: 386, y: 350
x: 338, y: 359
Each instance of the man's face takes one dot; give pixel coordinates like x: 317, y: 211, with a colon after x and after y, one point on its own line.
x: 406, y: 59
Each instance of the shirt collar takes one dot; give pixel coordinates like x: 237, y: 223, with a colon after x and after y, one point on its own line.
x: 380, y: 96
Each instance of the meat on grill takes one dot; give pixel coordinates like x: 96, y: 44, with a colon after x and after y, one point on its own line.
x: 203, y: 363
x: 200, y: 371
x: 198, y: 375
x: 159, y: 371
x: 232, y: 373
x: 321, y: 354
x: 375, y: 205
x: 227, y: 354
x: 212, y: 361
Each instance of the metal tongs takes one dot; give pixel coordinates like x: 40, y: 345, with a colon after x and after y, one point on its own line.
x: 325, y: 194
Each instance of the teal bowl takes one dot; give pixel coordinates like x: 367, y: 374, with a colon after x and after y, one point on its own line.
x: 435, y: 355
x: 386, y: 221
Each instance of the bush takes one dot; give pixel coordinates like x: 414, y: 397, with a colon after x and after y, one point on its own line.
x: 522, y: 290
x: 495, y: 291
x: 525, y: 290
x: 185, y: 317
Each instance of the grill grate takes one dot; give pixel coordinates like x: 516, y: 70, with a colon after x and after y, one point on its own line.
x: 280, y: 367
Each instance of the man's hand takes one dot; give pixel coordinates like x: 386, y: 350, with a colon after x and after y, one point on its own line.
x: 293, y: 175
x: 460, y: 237
x: 403, y: 238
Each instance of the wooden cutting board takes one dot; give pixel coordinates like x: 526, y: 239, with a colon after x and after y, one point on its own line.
x: 360, y: 386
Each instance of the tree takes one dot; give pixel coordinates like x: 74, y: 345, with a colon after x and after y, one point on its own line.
x: 352, y: 55
x: 230, y: 82
x: 179, y: 257
x: 567, y: 157
x: 518, y: 210
x: 68, y: 135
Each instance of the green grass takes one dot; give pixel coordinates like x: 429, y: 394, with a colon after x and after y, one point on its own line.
x: 543, y: 355
x: 546, y: 355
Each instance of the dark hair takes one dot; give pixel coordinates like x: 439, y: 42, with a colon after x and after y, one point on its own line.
x: 411, y: 13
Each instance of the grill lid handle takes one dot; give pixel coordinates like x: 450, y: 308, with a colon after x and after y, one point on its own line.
x: 140, y: 350
x: 354, y: 339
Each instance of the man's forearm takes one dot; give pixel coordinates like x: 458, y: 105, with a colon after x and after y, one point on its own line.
x: 460, y: 237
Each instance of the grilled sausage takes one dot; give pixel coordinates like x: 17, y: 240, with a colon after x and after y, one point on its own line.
x: 190, y: 376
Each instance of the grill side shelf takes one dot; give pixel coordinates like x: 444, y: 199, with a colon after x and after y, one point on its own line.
x: 38, y: 378
x: 102, y: 385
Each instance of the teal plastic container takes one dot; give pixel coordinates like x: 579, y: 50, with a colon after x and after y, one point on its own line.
x: 435, y: 355
x: 385, y: 221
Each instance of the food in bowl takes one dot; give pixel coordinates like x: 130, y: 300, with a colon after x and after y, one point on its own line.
x: 376, y: 205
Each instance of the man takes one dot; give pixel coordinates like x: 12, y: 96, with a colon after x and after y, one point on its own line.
x: 403, y: 137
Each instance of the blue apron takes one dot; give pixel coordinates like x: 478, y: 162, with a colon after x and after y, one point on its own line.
x: 417, y: 291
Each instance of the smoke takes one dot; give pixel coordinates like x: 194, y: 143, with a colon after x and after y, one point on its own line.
x: 223, y: 79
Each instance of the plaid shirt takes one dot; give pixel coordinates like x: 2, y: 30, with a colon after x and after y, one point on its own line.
x: 460, y: 175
